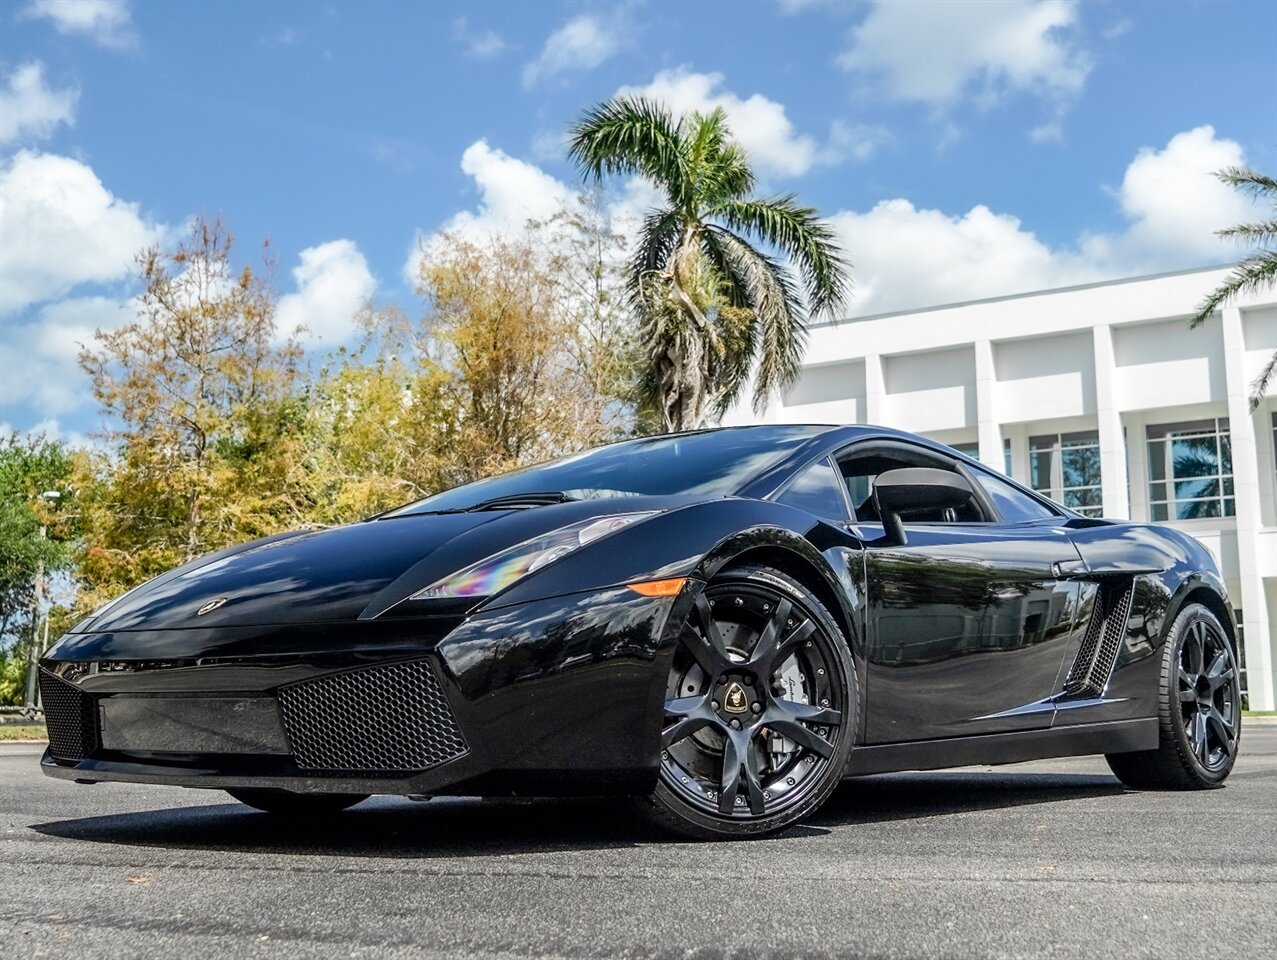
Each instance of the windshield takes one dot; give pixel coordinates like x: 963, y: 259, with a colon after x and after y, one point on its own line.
x: 711, y: 463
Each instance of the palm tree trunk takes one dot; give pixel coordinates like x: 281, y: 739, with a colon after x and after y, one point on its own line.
x: 683, y: 400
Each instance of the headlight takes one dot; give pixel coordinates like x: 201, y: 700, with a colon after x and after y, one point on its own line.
x: 498, y: 571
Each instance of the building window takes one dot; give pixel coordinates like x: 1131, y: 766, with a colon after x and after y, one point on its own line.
x: 1190, y: 470
x: 1066, y: 468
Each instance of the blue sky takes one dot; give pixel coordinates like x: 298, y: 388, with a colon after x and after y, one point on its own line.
x: 962, y: 149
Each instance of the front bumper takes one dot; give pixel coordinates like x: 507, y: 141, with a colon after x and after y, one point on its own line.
x: 552, y: 697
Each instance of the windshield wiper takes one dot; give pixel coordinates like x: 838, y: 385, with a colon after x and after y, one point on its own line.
x: 520, y: 501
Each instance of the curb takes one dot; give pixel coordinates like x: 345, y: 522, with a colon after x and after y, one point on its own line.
x: 1259, y: 721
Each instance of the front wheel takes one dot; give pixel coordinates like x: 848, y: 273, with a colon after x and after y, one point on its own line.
x: 1199, y: 711
x: 285, y: 802
x: 760, y: 709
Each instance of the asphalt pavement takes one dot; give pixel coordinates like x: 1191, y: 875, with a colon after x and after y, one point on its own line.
x: 1044, y: 859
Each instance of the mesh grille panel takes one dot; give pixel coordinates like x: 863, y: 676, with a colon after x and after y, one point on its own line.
x: 1086, y: 652
x: 385, y: 718
x: 70, y: 715
x: 1089, y: 674
x: 1114, y: 631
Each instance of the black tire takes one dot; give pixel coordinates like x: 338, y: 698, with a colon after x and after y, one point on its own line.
x: 1199, y: 711
x: 285, y: 802
x: 777, y: 639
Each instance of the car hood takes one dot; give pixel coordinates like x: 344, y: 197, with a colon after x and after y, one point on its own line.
x: 340, y: 574
x: 303, y: 577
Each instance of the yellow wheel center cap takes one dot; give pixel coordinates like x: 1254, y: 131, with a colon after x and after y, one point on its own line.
x: 734, y: 700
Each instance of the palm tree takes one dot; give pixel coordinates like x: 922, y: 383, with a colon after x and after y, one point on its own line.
x: 1258, y: 271
x: 713, y: 304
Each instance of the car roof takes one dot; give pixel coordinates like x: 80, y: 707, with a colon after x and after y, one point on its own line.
x: 834, y: 438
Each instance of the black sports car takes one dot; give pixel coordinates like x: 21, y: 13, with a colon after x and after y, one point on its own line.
x: 723, y: 624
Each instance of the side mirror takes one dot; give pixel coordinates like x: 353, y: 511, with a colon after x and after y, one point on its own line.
x: 916, y: 490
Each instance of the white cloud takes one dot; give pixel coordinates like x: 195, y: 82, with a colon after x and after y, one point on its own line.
x: 39, y: 355
x: 481, y: 44
x: 30, y: 110
x: 511, y: 192
x: 333, y: 283
x: 760, y: 125
x: 62, y: 228
x: 1174, y: 206
x: 51, y: 429
x: 108, y: 23
x: 860, y: 141
x: 579, y: 45
x: 904, y: 257
x: 627, y: 209
x: 938, y: 51
x: 486, y: 45
x: 39, y: 359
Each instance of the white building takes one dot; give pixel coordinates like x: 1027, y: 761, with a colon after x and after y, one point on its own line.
x: 1098, y: 395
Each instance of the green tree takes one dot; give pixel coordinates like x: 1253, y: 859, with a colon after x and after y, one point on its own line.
x: 524, y: 353
x: 1258, y: 270
x: 36, y: 534
x: 202, y: 398
x: 714, y: 296
x: 378, y: 431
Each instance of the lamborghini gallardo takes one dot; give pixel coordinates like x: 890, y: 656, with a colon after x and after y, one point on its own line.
x: 721, y: 624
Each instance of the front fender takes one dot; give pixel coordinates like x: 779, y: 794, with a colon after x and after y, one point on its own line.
x: 691, y: 541
x: 1189, y: 585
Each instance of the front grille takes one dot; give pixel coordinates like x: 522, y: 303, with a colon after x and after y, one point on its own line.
x: 1089, y: 674
x: 71, y: 716
x: 375, y: 719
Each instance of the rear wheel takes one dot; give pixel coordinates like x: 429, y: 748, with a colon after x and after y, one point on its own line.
x: 297, y: 804
x: 1199, y: 711
x: 759, y: 711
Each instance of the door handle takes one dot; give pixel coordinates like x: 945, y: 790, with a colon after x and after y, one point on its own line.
x: 1069, y: 569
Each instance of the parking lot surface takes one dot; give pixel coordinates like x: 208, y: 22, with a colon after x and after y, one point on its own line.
x: 1044, y: 859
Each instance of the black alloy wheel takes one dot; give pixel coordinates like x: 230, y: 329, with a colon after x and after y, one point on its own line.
x: 1200, y: 710
x: 759, y: 712
x: 285, y: 802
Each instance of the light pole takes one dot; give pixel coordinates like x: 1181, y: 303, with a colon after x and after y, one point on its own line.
x: 38, y: 638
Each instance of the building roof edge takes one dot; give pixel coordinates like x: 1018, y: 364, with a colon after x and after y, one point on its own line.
x: 1023, y: 295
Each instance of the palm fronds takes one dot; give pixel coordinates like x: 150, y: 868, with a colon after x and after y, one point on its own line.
x: 714, y: 308
x: 632, y: 135
x: 798, y: 232
x: 764, y: 285
x: 1258, y: 185
x: 1256, y: 272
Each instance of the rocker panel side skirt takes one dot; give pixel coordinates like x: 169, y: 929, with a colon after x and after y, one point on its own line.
x: 1119, y: 736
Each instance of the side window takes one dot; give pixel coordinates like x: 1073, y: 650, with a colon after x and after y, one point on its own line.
x: 1014, y: 505
x: 859, y: 467
x: 818, y: 490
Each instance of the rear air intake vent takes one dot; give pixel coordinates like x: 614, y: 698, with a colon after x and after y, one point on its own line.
x: 71, y: 716
x: 391, y: 718
x: 1089, y: 674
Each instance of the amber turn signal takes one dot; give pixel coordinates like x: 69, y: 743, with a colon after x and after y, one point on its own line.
x: 659, y: 588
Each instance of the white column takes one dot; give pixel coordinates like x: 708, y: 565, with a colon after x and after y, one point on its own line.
x: 874, y: 390
x: 987, y: 430
x: 1259, y: 641
x: 1108, y: 420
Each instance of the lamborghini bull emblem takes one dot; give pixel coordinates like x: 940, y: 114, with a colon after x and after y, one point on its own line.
x: 734, y: 700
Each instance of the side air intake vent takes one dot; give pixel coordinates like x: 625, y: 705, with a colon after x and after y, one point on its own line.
x: 1089, y: 674
x: 71, y: 716
x: 375, y: 719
